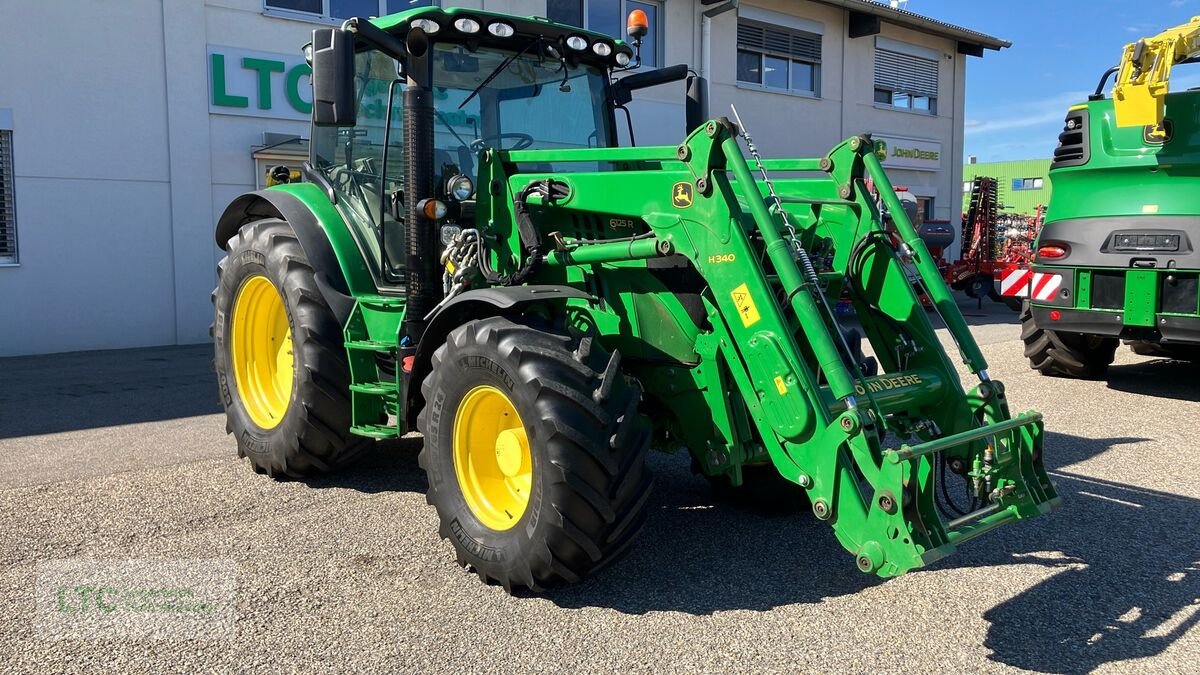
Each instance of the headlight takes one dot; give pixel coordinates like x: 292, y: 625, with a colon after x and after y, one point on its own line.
x: 622, y: 59
x: 308, y: 52
x: 466, y: 25
x: 460, y: 187
x: 602, y: 48
x: 577, y: 42
x: 428, y: 25
x: 501, y: 29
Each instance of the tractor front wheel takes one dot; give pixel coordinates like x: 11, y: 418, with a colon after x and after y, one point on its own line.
x: 280, y: 364
x: 534, y: 451
x: 1065, y: 354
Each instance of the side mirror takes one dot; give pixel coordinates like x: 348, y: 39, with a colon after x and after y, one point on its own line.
x: 333, y: 78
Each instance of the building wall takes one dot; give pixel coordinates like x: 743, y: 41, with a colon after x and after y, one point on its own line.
x: 122, y: 168
x: 1024, y: 201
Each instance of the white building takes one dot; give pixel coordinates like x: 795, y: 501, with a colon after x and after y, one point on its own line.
x: 126, y: 127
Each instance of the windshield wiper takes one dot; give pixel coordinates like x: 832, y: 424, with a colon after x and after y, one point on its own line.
x: 499, y: 69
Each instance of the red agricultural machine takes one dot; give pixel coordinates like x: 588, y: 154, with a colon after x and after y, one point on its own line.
x: 997, y: 248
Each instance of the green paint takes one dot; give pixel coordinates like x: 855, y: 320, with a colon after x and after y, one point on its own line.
x: 1141, y: 297
x: 264, y: 68
x: 1131, y: 184
x: 219, y: 97
x: 292, y: 88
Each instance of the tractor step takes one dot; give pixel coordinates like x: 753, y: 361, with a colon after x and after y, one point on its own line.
x: 385, y: 389
x: 372, y: 346
x: 375, y: 431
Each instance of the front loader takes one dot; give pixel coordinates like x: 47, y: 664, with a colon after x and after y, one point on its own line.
x: 473, y: 256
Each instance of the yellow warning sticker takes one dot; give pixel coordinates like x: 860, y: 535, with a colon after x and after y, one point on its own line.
x: 1149, y: 208
x: 745, y: 305
x: 780, y: 385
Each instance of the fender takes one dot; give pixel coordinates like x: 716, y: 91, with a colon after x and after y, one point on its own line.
x: 290, y: 204
x: 476, y: 304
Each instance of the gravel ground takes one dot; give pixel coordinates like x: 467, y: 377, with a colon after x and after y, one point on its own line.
x: 121, y: 455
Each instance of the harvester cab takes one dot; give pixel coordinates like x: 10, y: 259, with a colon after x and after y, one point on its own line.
x: 1118, y: 257
x: 473, y: 255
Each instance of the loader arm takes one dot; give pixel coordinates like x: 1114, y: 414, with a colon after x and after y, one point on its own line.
x: 1144, y: 72
x: 823, y: 422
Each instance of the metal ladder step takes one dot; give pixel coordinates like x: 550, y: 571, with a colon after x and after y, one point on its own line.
x: 385, y: 389
x: 371, y: 345
x: 375, y: 431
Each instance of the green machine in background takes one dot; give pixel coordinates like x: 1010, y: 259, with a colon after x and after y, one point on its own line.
x: 472, y: 255
x: 1119, y: 254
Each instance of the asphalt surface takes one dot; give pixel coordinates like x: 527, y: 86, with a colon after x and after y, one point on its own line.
x: 123, y: 455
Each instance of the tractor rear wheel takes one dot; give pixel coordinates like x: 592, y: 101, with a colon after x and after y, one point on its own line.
x: 1065, y: 354
x: 278, y: 354
x: 534, y: 451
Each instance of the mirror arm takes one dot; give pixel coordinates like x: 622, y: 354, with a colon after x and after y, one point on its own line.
x: 376, y: 37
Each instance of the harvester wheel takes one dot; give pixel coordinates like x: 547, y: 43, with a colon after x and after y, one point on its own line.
x: 1065, y: 354
x: 280, y: 364
x: 534, y: 451
x: 1175, y: 352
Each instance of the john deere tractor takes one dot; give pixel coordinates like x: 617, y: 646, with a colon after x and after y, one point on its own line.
x: 1119, y: 254
x: 473, y: 255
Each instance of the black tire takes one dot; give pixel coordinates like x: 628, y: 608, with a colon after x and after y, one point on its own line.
x: 590, y: 484
x: 313, y: 436
x: 1013, y: 303
x: 762, y: 491
x: 1062, y: 354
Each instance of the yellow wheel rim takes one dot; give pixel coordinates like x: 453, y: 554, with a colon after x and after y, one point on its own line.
x: 492, y: 460
x: 260, y: 348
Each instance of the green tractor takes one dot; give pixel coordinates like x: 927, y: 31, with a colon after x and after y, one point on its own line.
x: 472, y: 255
x: 1119, y: 254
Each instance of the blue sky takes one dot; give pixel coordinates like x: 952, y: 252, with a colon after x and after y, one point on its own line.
x: 1017, y: 97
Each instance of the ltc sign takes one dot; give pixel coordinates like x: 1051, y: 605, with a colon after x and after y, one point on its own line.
x: 258, y: 84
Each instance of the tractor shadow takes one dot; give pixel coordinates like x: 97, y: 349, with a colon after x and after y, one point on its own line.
x: 701, y: 555
x: 1125, y: 571
x: 1163, y: 378
x: 387, y: 466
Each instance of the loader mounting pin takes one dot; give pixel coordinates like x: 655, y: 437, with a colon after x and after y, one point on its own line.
x: 887, y: 502
x: 821, y: 509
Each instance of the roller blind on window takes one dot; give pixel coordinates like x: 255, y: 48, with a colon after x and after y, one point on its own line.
x: 8, y: 213
x: 906, y: 73
x: 796, y: 44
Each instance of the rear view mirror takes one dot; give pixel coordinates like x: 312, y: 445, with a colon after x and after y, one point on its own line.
x: 333, y: 78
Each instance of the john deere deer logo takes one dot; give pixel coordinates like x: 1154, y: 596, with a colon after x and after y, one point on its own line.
x: 1153, y: 134
x: 681, y: 195
x: 881, y: 150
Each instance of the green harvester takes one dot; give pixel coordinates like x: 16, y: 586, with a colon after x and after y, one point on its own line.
x: 1119, y: 255
x: 473, y: 254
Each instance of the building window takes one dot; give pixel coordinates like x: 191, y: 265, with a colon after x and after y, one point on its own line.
x: 8, y: 210
x: 925, y: 208
x: 608, y: 17
x: 906, y: 81
x: 779, y: 59
x: 1027, y: 183
x: 345, y: 9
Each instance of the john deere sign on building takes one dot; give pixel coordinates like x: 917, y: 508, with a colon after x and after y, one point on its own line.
x: 909, y: 153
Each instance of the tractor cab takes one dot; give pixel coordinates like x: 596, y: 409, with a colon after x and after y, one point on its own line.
x: 406, y: 106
